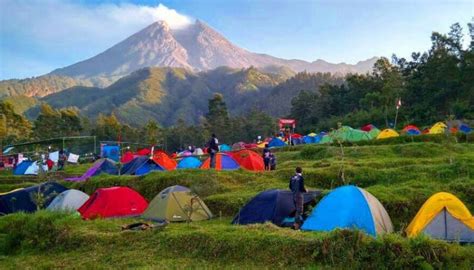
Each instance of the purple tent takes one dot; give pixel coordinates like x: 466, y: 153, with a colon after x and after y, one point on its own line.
x: 100, y: 166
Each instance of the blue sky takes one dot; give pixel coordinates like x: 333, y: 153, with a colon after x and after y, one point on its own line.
x: 38, y: 36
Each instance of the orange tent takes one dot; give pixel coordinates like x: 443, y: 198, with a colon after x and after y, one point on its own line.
x: 164, y: 160
x: 249, y: 160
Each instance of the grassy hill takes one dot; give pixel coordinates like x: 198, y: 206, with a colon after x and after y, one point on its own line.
x: 401, y: 175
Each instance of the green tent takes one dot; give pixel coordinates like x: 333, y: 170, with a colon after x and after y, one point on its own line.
x: 326, y: 139
x: 373, y: 133
x: 177, y: 203
x: 348, y: 134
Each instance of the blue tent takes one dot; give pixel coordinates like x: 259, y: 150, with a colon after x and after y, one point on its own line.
x: 140, y: 165
x: 349, y: 207
x: 413, y: 132
x: 25, y: 199
x: 272, y: 205
x: 311, y: 139
x: 225, y: 148
x: 276, y: 142
x: 189, y: 163
x: 111, y: 151
x: 465, y: 128
x: 22, y: 167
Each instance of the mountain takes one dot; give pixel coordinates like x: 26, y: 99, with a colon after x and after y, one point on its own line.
x: 197, y: 47
x: 169, y: 94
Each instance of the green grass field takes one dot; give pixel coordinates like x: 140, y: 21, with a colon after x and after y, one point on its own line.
x: 402, y: 175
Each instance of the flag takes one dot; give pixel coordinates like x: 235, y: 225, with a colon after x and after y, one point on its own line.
x: 399, y: 103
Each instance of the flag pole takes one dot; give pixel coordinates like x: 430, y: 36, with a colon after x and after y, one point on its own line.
x: 399, y: 103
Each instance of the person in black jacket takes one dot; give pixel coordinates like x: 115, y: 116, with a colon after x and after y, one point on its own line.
x: 213, y: 149
x: 298, y: 188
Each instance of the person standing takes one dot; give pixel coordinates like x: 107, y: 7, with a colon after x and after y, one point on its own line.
x: 62, y: 160
x: 298, y: 188
x: 213, y: 147
x: 266, y: 157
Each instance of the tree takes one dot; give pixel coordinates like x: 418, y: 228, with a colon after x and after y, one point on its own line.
x: 47, y: 123
x: 152, y: 132
x: 13, y: 127
x: 107, y: 127
x: 217, y: 119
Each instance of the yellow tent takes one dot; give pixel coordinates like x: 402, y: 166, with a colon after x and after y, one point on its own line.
x: 387, y: 133
x: 261, y: 145
x: 438, y: 128
x: 5, y: 193
x: 312, y: 134
x: 451, y: 207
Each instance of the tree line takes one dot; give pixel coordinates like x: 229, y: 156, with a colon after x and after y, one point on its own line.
x: 432, y: 86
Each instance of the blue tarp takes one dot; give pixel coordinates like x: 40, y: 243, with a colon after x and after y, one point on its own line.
x: 25, y: 199
x: 111, y: 151
x: 345, y: 207
x: 271, y: 205
x: 140, y: 165
x: 189, y: 163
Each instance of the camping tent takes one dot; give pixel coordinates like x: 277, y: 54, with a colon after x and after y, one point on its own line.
x: 140, y: 165
x: 443, y: 216
x: 113, y: 202
x: 127, y: 157
x: 223, y: 162
x: 438, y: 128
x: 464, y: 128
x: 238, y: 146
x: 103, y: 165
x: 198, y: 152
x: 185, y: 153
x: 411, y: 130
x: 189, y: 163
x: 349, y: 207
x: 387, y: 133
x: 249, y: 160
x: 177, y: 203
x: 162, y: 159
x: 348, y: 134
x: 225, y: 148
x: 143, y: 152
x: 276, y: 142
x: 310, y: 139
x: 367, y: 127
x: 26, y: 199
x: 69, y: 200
x: 326, y: 139
x: 272, y: 205
x: 111, y: 151
x: 28, y: 167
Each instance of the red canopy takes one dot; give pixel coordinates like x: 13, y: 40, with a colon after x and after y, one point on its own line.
x: 287, y: 122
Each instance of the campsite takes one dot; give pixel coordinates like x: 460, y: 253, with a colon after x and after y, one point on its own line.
x: 407, y: 174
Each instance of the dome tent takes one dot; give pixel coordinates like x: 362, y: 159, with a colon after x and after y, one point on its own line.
x: 189, y: 163
x: 443, y: 216
x: 223, y: 162
x: 249, y: 160
x: 387, y: 133
x: 103, y: 165
x: 438, y: 128
x: 23, y: 200
x: 177, y: 203
x: 113, y: 202
x: 349, y: 207
x: 140, y: 166
x: 272, y: 205
x: 69, y: 200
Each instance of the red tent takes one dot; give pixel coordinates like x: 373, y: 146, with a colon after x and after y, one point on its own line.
x: 296, y: 136
x: 367, y: 127
x: 113, y: 202
x: 127, y: 156
x: 164, y: 160
x: 411, y: 127
x: 144, y: 152
x: 249, y: 160
x: 250, y: 145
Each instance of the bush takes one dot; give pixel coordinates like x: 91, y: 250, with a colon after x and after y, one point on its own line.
x: 40, y: 232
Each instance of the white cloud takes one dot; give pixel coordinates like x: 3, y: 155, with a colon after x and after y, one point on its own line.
x: 55, y: 22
